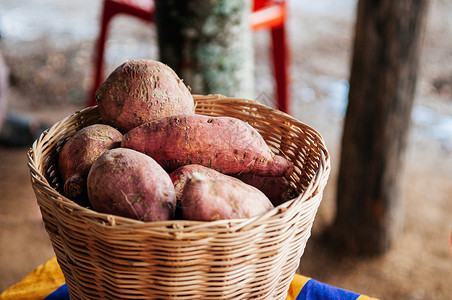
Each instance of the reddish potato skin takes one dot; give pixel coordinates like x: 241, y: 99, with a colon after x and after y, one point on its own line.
x: 78, y: 155
x: 139, y: 91
x: 277, y: 189
x: 223, y: 198
x: 225, y: 144
x: 180, y: 176
x: 131, y: 184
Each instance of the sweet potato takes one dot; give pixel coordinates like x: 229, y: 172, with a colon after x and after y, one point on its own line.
x: 78, y: 155
x: 140, y: 91
x: 226, y: 144
x: 180, y: 176
x: 277, y: 189
x: 131, y: 184
x: 223, y: 198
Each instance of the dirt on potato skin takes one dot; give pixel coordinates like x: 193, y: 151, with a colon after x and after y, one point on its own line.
x: 50, y: 82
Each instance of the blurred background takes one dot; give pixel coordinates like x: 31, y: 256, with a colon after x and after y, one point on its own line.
x: 48, y: 46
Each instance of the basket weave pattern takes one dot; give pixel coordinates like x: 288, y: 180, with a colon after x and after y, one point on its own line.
x: 110, y: 257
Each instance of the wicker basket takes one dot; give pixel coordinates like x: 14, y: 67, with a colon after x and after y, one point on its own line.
x: 110, y: 257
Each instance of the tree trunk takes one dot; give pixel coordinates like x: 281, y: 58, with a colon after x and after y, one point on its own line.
x: 208, y: 44
x: 387, y: 45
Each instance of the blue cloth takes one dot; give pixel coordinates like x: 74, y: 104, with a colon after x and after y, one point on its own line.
x: 62, y: 293
x: 315, y: 290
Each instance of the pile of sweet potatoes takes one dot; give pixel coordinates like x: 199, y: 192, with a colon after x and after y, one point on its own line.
x: 154, y: 158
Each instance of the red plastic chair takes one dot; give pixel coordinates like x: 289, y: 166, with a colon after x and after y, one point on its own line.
x: 270, y: 15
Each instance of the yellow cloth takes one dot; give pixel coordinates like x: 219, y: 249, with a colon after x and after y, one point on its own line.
x: 295, y: 287
x: 29, y: 288
x: 363, y: 297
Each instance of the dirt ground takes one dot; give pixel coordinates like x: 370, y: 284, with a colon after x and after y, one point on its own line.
x: 50, y: 77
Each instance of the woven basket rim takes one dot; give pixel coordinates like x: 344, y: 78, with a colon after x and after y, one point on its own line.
x: 174, y: 226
